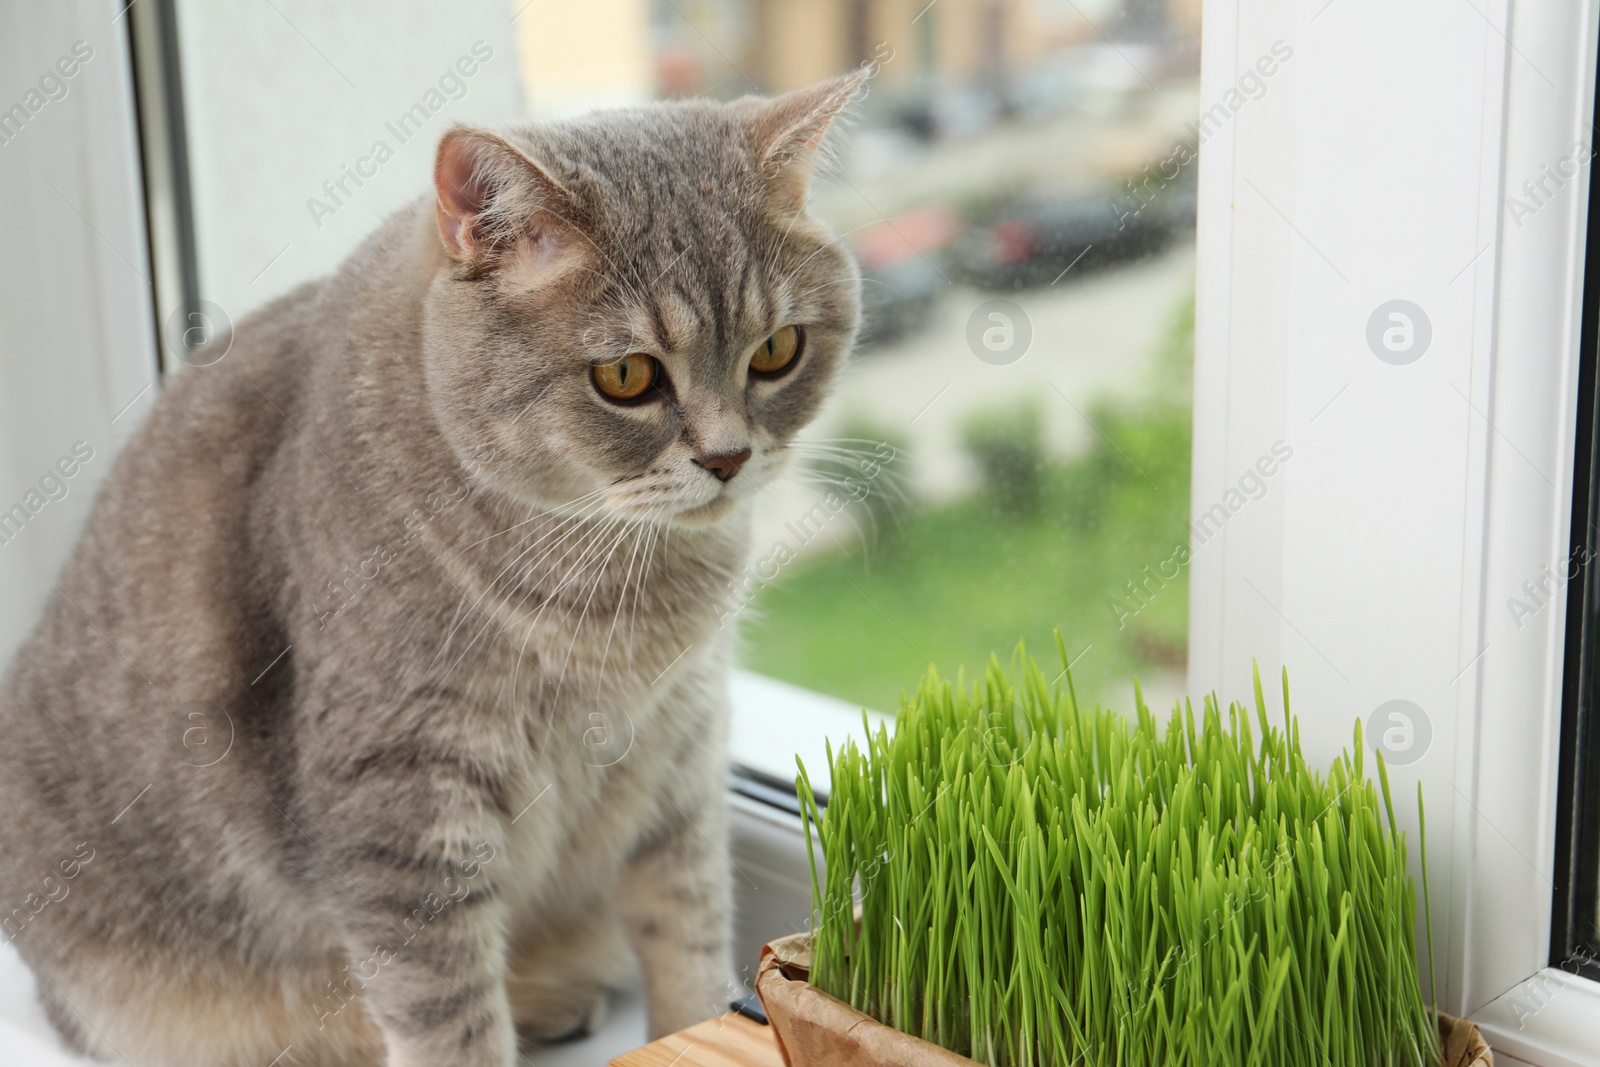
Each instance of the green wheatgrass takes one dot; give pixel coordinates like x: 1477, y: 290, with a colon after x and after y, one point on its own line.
x: 1040, y: 884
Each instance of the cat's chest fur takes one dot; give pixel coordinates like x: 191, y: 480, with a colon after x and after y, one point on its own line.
x: 600, y: 785
x: 592, y: 689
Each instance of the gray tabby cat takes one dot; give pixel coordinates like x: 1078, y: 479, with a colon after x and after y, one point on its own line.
x: 382, y: 706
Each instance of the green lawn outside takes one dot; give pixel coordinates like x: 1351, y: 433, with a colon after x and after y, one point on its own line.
x: 954, y: 583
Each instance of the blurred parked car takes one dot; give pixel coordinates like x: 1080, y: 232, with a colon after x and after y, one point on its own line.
x: 1039, y: 239
x: 1050, y: 87
x: 935, y: 112
x: 900, y: 273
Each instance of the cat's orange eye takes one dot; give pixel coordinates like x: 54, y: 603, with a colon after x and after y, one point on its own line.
x: 626, y: 378
x: 777, y: 353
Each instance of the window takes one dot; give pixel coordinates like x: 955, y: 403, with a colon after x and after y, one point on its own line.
x: 1422, y: 496
x: 1009, y: 452
x: 1019, y: 186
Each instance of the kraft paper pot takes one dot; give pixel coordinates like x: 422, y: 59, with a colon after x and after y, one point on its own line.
x: 815, y: 1030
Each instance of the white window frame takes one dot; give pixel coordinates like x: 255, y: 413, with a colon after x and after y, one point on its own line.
x: 1420, y: 497
x: 77, y: 336
x: 77, y: 349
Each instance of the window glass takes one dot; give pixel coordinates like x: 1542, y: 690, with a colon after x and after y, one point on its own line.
x: 1575, y: 929
x: 1575, y: 936
x: 1009, y: 451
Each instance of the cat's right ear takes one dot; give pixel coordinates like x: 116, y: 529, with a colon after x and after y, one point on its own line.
x: 788, y: 132
x: 491, y: 198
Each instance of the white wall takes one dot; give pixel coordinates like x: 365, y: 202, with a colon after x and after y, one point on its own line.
x: 1419, y: 496
x: 282, y: 96
x: 75, y: 325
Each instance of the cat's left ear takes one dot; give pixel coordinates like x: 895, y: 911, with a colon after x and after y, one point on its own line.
x: 492, y: 198
x: 787, y: 131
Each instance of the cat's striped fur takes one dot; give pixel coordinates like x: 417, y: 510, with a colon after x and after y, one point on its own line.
x: 386, y: 686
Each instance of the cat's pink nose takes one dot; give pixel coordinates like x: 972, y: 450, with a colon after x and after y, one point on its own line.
x: 726, y: 465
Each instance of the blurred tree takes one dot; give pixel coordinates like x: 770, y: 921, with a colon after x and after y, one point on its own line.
x: 1008, y: 446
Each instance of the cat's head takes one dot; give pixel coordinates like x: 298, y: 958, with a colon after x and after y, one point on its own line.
x: 634, y: 311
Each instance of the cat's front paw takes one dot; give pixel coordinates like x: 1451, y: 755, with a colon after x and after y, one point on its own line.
x: 688, y: 1003
x: 456, y: 1058
x: 548, y: 1016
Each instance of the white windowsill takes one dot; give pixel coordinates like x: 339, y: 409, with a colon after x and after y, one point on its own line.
x: 1552, y: 1019
x: 773, y: 722
x: 26, y: 1037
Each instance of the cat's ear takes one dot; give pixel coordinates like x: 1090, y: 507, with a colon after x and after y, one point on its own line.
x: 788, y: 131
x: 492, y: 198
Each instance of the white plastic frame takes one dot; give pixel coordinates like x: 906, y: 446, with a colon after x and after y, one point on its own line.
x: 77, y: 349
x: 77, y: 338
x: 1380, y: 562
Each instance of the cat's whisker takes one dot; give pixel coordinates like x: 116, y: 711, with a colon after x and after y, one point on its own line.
x: 657, y: 535
x: 523, y: 576
x: 591, y: 584
x: 839, y: 455
x: 622, y: 595
x: 856, y: 501
x: 846, y: 512
x: 792, y: 274
x: 529, y: 405
x: 613, y: 278
x: 565, y: 525
x: 828, y: 448
x: 619, y: 277
x: 519, y: 550
x: 873, y: 441
x: 828, y: 452
x: 783, y: 240
x: 839, y: 467
x: 844, y: 281
x: 588, y: 545
x: 584, y: 547
x: 630, y: 283
x: 884, y: 484
x: 638, y: 588
x: 535, y: 515
x: 488, y: 588
x: 530, y: 625
x: 461, y: 610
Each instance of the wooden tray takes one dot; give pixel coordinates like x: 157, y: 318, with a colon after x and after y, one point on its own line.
x: 727, y: 1041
